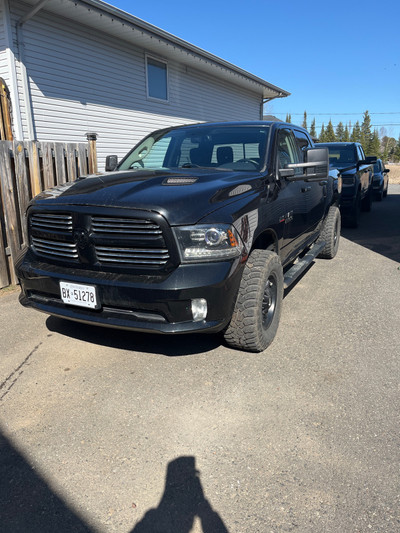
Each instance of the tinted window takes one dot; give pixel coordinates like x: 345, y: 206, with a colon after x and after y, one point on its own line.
x: 340, y: 154
x: 303, y: 143
x: 219, y: 147
x: 287, y: 150
x: 377, y: 166
x: 361, y: 154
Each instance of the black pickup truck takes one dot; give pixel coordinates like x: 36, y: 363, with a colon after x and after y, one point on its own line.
x: 357, y: 172
x: 198, y: 229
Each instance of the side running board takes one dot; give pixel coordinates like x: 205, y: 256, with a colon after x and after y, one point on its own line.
x: 299, y: 267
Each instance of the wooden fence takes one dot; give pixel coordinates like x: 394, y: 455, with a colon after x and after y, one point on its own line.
x: 26, y: 169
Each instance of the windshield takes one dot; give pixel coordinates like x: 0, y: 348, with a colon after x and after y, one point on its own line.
x: 341, y: 155
x: 377, y: 166
x: 204, y: 146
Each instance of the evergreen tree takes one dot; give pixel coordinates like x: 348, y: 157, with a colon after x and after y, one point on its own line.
x: 340, y: 132
x: 322, y: 134
x: 330, y: 133
x: 313, y: 131
x: 288, y: 117
x: 346, y: 135
x: 374, y: 145
x: 365, y: 134
x: 396, y: 152
x: 355, y: 136
x: 305, y: 120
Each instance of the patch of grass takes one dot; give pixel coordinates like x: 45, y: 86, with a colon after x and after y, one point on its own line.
x: 8, y: 290
x: 394, y: 174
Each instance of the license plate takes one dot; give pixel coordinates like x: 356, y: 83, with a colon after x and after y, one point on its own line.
x: 78, y: 294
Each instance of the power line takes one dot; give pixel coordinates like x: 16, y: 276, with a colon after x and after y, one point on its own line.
x: 336, y: 114
x: 372, y: 125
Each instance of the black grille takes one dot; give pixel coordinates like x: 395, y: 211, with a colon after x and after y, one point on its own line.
x: 112, y: 242
x: 55, y: 249
x: 134, y: 256
x: 124, y: 226
x: 50, y: 222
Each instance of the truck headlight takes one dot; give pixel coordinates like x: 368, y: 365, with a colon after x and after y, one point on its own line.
x: 208, y: 242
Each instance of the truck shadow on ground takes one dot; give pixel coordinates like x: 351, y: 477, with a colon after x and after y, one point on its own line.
x: 379, y: 230
x: 168, y: 345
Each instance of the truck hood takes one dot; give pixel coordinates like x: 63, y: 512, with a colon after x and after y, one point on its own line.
x: 182, y: 196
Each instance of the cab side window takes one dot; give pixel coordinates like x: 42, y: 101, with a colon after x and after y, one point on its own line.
x: 361, y: 154
x: 287, y: 152
x: 303, y: 143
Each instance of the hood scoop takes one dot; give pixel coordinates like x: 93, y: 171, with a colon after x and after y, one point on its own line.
x: 180, y: 180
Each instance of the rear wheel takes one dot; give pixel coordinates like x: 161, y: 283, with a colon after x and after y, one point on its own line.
x: 255, y: 319
x: 367, y: 201
x: 352, y: 218
x: 331, y: 233
x: 379, y: 194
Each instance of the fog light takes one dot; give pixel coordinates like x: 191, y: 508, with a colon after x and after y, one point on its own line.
x: 199, y: 309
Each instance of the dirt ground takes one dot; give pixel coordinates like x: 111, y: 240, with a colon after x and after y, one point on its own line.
x: 394, y: 174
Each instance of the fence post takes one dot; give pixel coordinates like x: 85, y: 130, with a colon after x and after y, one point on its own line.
x: 11, y: 214
x: 92, y: 155
x: 6, y: 130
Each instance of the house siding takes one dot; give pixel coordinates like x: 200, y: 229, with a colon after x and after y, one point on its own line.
x: 87, y: 81
x: 4, y: 71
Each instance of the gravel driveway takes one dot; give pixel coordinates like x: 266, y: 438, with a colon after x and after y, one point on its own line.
x: 111, y: 431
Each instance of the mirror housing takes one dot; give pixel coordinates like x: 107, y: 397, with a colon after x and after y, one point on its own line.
x: 371, y: 159
x: 315, y: 167
x: 111, y: 163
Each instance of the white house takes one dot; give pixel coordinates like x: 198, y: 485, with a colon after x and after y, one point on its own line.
x: 78, y: 66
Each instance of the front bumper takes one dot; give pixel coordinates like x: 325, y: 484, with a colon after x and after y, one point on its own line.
x: 146, y: 303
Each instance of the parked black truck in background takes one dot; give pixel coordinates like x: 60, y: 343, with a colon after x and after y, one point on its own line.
x: 357, y: 171
x: 199, y: 228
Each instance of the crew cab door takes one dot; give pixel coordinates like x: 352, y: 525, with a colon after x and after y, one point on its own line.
x: 364, y: 172
x: 315, y: 191
x: 292, y: 194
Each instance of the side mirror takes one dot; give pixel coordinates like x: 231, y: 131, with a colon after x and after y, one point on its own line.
x: 286, y: 172
x: 315, y: 167
x: 386, y: 170
x: 370, y: 159
x: 111, y: 163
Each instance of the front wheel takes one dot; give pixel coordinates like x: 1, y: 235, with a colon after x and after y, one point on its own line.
x: 255, y: 319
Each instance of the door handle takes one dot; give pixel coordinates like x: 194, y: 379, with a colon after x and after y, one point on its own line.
x: 305, y: 189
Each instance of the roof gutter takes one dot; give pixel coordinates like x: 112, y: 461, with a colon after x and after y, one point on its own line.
x: 32, y: 12
x: 125, y: 17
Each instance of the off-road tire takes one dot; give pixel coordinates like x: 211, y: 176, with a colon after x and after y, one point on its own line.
x: 255, y: 319
x: 366, y: 203
x: 352, y: 218
x: 330, y: 233
x: 379, y: 195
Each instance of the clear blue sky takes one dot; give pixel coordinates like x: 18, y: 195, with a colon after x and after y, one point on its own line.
x: 337, y: 59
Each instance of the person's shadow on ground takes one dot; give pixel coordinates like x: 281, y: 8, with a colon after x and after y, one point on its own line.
x: 182, y: 501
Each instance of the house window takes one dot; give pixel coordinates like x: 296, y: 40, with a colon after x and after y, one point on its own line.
x: 157, y: 79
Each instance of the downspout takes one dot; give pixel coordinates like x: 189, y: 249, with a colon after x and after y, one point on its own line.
x: 11, y: 60
x: 24, y: 74
x: 264, y: 101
